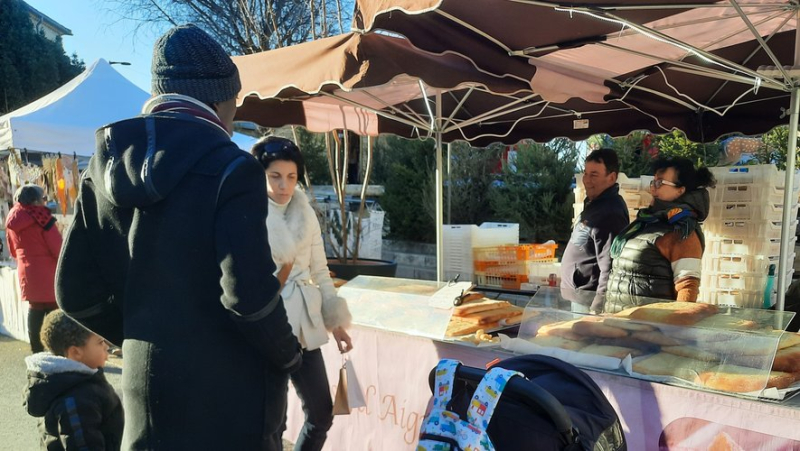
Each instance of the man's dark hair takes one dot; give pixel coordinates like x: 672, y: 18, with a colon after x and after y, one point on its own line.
x: 59, y: 332
x: 607, y: 157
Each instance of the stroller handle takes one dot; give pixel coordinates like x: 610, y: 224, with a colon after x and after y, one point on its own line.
x: 525, y: 391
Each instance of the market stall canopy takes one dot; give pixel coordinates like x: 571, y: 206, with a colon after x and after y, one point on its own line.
x: 629, y: 65
x: 65, y: 120
x: 370, y: 84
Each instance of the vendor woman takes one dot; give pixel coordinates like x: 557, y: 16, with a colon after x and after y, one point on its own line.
x: 659, y: 254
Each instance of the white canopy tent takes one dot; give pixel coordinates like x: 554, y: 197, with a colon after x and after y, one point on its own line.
x: 66, y: 119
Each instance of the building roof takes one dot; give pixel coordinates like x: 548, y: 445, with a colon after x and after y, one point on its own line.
x: 61, y: 29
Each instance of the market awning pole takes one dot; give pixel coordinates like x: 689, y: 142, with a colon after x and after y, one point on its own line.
x: 439, y: 192
x: 449, y: 184
x: 789, y: 198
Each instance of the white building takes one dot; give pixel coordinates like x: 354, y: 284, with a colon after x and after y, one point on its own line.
x: 49, y: 27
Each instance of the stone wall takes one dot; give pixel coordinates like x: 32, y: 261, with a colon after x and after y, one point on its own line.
x: 414, y: 260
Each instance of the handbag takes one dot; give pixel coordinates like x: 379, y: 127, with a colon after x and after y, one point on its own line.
x: 348, y: 392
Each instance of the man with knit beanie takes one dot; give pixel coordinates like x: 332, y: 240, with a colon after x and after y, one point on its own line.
x: 168, y: 256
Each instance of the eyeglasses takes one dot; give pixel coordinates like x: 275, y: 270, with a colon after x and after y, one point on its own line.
x: 660, y: 182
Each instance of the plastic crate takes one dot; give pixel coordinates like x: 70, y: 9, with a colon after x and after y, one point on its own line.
x: 732, y: 298
x: 508, y: 282
x: 748, y: 193
x: 748, y: 211
x: 753, y: 281
x: 495, y: 255
x: 746, y: 228
x: 495, y: 234
x: 734, y: 246
x: 764, y: 174
x: 735, y: 263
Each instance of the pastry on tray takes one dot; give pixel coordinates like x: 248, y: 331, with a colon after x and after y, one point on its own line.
x: 674, y: 313
x: 740, y: 379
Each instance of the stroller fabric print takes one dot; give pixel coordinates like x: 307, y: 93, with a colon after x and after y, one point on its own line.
x: 444, y: 430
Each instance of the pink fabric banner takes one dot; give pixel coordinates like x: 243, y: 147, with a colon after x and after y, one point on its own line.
x: 393, y: 371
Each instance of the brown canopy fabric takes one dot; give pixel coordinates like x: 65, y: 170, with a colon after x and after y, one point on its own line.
x: 654, y: 64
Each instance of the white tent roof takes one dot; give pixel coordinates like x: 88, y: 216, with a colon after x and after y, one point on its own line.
x: 65, y: 120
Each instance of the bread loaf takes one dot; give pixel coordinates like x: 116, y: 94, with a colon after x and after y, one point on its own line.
x: 558, y: 342
x: 594, y: 327
x: 739, y: 379
x: 561, y: 329
x: 492, y: 316
x: 627, y: 324
x: 691, y: 352
x: 787, y: 360
x: 611, y: 351
x: 457, y: 327
x: 675, y: 313
x: 658, y: 338
x: 666, y: 364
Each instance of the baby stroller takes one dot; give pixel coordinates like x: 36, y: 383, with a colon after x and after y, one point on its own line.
x: 553, y: 406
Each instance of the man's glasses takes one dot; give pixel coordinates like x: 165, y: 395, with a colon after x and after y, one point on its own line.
x: 660, y: 182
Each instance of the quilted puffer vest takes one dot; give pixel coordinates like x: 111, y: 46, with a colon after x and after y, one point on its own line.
x: 641, y: 270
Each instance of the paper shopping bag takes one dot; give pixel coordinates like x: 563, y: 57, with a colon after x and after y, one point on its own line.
x: 348, y: 393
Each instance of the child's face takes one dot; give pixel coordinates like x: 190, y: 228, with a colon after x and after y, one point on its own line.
x: 92, y: 354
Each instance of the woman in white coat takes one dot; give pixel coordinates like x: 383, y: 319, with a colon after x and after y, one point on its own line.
x: 312, y: 305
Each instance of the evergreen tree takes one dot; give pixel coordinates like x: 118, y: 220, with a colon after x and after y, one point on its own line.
x: 31, y: 65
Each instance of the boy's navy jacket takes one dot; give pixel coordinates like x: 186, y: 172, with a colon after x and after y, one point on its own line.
x: 76, y: 406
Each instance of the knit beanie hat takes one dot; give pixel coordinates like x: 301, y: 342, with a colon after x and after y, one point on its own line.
x: 188, y: 61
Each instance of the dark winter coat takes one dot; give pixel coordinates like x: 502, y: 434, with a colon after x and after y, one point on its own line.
x: 76, y: 407
x: 586, y: 262
x: 169, y: 252
x: 35, y: 245
x: 641, y: 269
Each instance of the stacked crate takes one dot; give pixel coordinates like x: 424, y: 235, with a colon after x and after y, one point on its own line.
x: 459, y: 240
x: 508, y: 267
x: 743, y: 232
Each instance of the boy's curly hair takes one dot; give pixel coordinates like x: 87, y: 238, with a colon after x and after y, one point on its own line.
x: 59, y: 332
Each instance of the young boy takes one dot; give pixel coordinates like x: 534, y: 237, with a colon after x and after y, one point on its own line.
x: 77, y: 408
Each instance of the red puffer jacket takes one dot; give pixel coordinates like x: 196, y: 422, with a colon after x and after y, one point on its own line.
x: 34, y: 240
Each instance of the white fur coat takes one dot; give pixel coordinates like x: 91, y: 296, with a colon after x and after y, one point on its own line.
x: 312, y: 304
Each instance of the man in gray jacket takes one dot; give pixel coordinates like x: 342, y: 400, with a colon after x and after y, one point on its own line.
x: 586, y: 262
x: 168, y: 256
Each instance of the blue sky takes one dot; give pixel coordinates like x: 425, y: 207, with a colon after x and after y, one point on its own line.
x: 100, y: 33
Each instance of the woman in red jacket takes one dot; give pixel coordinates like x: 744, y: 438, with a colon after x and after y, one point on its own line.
x: 35, y: 242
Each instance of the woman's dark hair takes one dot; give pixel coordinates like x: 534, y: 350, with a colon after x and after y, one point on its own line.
x: 274, y: 148
x: 688, y: 177
x: 29, y: 194
x: 59, y: 332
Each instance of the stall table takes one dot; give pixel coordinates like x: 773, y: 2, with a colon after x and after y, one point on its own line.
x: 393, y: 369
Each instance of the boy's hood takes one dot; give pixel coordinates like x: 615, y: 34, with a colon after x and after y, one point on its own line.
x: 139, y: 161
x: 48, y: 377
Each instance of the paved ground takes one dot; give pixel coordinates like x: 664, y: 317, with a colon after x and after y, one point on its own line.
x: 18, y: 430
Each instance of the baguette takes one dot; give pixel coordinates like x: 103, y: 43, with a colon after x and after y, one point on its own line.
x: 561, y: 329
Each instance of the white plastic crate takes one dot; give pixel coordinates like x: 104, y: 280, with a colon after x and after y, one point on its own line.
x: 746, y: 228
x: 764, y: 174
x: 749, y: 193
x: 628, y: 184
x: 735, y: 246
x: 749, y: 281
x: 495, y: 234
x: 735, y: 263
x: 632, y: 199
x: 732, y: 298
x: 457, y: 255
x: 748, y: 211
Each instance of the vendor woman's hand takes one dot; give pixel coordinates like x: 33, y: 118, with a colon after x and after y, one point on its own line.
x: 342, y: 340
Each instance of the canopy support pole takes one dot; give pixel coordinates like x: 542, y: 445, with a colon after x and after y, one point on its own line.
x: 789, y: 198
x: 439, y: 192
x: 788, y: 193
